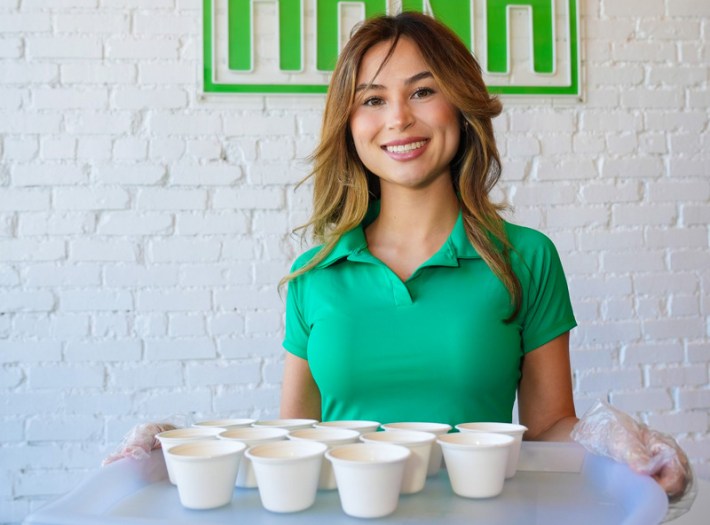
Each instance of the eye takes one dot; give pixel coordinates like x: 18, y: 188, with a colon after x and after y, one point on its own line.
x: 423, y: 92
x: 373, y: 101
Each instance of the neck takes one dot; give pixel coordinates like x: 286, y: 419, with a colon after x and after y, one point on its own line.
x: 417, y: 216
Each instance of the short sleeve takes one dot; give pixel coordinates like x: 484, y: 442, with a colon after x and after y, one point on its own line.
x: 547, y: 307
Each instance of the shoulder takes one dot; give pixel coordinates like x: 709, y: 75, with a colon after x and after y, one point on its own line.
x: 524, y: 239
x: 305, y: 257
x: 531, y: 248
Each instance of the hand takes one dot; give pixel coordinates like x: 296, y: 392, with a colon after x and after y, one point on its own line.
x: 139, y: 441
x: 607, y: 431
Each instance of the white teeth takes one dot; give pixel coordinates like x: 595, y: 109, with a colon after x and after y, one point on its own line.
x: 403, y: 148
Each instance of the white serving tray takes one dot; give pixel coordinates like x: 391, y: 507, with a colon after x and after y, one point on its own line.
x: 557, y: 485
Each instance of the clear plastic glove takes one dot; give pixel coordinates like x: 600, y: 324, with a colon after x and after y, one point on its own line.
x: 139, y: 441
x: 606, y: 431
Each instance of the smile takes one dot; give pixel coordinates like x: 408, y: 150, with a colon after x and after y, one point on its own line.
x: 404, y: 148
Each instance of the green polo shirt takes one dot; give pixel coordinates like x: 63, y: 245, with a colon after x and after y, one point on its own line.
x: 432, y: 348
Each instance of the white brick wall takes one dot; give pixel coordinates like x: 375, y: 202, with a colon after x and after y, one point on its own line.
x: 142, y: 233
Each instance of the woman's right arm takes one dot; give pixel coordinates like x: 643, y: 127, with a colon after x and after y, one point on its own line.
x: 300, y: 397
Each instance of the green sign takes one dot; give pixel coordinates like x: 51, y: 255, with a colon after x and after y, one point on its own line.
x: 525, y: 47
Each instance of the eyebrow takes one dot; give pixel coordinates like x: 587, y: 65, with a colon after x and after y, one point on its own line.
x: 411, y: 80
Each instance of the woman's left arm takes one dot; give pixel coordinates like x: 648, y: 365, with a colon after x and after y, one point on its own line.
x: 545, y: 403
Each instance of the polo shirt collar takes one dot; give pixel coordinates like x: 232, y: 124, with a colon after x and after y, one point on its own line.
x: 353, y: 243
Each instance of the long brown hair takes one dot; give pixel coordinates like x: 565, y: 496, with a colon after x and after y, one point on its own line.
x: 343, y: 187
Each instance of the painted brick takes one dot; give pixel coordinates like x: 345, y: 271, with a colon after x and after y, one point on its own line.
x: 660, y: 329
x: 103, y: 351
x: 160, y: 404
x: 643, y: 214
x: 246, y: 347
x: 88, y: 300
x: 171, y: 199
x: 173, y: 301
x: 216, y: 274
x: 213, y: 174
x: 249, y: 198
x: 41, y: 377
x: 262, y: 403
x: 48, y: 175
x: 182, y: 250
x: 181, y: 325
x: 237, y: 373
x: 691, y: 8
x: 658, y: 399
x: 64, y: 47
x: 211, y: 223
x: 679, y: 191
x: 137, y: 98
x: 30, y: 250
x: 184, y: 348
x: 91, y: 73
x: 146, y: 375
x: 225, y: 324
x: 652, y: 353
x: 139, y: 174
x: 62, y: 223
x: 128, y: 47
x: 679, y: 376
x: 99, y: 250
x: 132, y: 223
x: 679, y: 423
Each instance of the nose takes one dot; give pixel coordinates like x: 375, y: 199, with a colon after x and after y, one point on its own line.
x: 400, y: 115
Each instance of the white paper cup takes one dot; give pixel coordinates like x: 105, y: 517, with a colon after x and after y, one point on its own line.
x: 179, y: 436
x: 476, y: 462
x: 331, y: 437
x: 361, y: 425
x: 509, y: 429
x: 288, y: 424
x: 205, y: 472
x: 437, y: 429
x: 369, y: 477
x: 251, y: 436
x: 287, y: 473
x: 419, y: 443
x: 225, y: 424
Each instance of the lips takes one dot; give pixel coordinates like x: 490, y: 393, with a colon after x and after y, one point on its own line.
x: 405, y: 148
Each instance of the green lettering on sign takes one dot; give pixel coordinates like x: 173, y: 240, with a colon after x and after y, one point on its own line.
x: 309, y: 39
x: 542, y: 34
x: 454, y: 13
x: 240, y: 19
x: 327, y: 31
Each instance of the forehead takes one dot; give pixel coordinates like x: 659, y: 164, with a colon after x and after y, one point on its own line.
x: 405, y: 61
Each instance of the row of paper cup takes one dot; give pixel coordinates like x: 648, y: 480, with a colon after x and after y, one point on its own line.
x: 289, y: 460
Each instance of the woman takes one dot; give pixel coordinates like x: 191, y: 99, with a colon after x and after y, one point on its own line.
x: 421, y: 303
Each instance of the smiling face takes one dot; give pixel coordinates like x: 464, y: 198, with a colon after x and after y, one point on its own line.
x: 404, y: 130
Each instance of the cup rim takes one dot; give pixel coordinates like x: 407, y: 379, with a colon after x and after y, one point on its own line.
x: 395, y: 425
x: 458, y: 440
x: 402, y: 452
x: 494, y: 427
x: 336, y: 434
x: 188, y: 433
x: 270, y: 433
x: 222, y: 449
x: 352, y: 424
x: 223, y: 423
x: 283, y: 422
x: 310, y: 449
x: 399, y: 437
